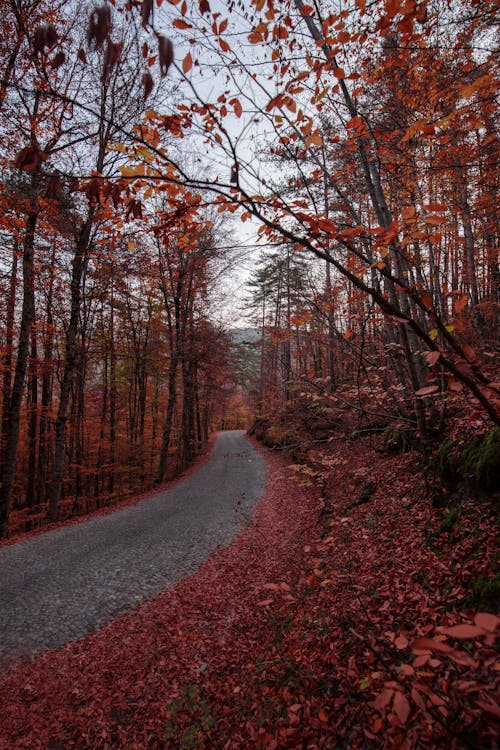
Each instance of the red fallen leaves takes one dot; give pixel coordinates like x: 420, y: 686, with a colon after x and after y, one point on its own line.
x: 112, y: 689
x: 353, y: 646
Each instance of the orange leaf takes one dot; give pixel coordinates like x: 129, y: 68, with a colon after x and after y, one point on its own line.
x: 469, y: 352
x: 460, y: 303
x: 435, y: 206
x: 434, y: 220
x: 323, y: 716
x: 187, y: 63
x: 314, y: 139
x: 224, y: 45
x: 238, y: 109
x: 306, y: 10
x: 352, y: 231
x: 339, y: 73
x: 326, y: 225
x: 408, y: 213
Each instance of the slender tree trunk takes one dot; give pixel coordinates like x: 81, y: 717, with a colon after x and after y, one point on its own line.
x: 11, y: 438
x: 7, y: 358
x: 112, y: 401
x: 31, y: 496
x: 102, y: 427
x: 167, y: 428
x: 78, y: 267
x: 47, y: 387
x: 188, y: 421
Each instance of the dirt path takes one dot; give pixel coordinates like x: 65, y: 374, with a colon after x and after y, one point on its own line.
x: 62, y: 584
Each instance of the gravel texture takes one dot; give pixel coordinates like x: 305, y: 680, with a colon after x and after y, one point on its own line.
x: 59, y: 585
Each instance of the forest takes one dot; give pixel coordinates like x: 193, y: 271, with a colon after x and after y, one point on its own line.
x: 347, y: 153
x: 367, y: 157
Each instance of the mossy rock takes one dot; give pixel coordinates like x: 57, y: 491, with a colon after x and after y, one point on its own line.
x: 475, y: 462
x: 485, y: 462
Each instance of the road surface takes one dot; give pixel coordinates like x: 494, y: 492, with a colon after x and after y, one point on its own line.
x: 61, y: 584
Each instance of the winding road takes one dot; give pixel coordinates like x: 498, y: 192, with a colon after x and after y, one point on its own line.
x: 62, y: 584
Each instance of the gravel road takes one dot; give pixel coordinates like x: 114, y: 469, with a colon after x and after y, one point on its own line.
x: 62, y: 584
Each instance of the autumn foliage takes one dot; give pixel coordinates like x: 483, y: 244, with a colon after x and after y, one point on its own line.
x: 360, y: 143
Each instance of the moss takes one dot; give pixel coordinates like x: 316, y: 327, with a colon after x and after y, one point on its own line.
x: 487, y: 461
x: 475, y: 463
x: 484, y: 593
x: 448, y: 525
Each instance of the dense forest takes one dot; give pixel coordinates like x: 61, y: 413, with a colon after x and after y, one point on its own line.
x: 361, y: 143
x: 279, y: 216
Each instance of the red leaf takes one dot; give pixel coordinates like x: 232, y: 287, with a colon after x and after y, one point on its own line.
x: 180, y: 23
x: 429, y: 644
x: 417, y: 698
x: 401, y: 707
x: 238, y: 109
x: 187, y: 63
x: 427, y: 390
x: 487, y: 621
x: 431, y: 357
x: 463, y: 631
x: 401, y: 642
x: 383, y: 699
x: 435, y: 220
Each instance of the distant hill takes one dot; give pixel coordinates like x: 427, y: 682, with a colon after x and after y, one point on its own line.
x: 244, y: 335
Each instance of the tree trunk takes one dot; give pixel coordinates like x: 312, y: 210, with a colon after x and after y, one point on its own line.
x: 11, y: 437
x: 78, y: 267
x: 31, y: 496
